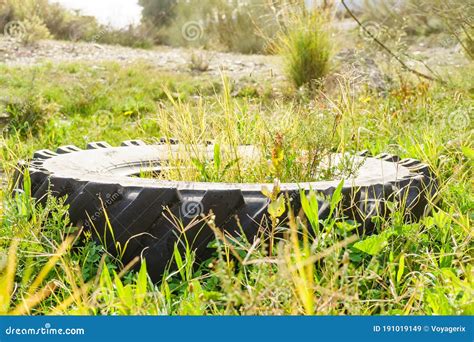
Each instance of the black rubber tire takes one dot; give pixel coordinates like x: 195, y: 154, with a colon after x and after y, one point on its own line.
x: 139, y: 209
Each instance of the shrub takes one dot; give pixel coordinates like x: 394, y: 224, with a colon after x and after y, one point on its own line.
x: 199, y: 62
x: 38, y: 18
x: 35, y: 29
x: 42, y: 19
x: 306, y: 47
x: 247, y: 29
x: 158, y: 12
x: 27, y: 15
x: 6, y: 13
x: 224, y: 25
x: 134, y: 36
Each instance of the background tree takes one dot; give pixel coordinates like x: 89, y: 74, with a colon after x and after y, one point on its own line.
x: 158, y: 12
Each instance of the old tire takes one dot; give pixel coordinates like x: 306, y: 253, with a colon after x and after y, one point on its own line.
x: 99, y: 179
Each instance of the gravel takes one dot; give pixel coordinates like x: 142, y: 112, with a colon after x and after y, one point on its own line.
x: 178, y: 60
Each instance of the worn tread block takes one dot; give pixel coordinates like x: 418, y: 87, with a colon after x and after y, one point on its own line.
x: 98, y: 144
x: 67, y: 149
x: 223, y: 204
x: 133, y: 143
x: 171, y: 141
x: 138, y: 214
x: 44, y: 154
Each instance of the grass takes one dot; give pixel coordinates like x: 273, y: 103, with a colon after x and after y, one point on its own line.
x: 307, y: 47
x: 405, y: 268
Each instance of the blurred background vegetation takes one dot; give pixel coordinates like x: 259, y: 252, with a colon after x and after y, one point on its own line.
x: 245, y: 26
x: 304, y: 33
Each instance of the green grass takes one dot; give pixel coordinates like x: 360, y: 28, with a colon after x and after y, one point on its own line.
x: 307, y: 47
x: 416, y: 268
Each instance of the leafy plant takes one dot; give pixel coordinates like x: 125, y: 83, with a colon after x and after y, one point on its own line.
x: 35, y: 30
x: 213, y: 171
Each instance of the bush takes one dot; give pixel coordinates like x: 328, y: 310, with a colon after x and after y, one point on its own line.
x: 30, y: 26
x: 247, y: 29
x: 223, y: 25
x: 42, y: 19
x: 38, y: 18
x: 306, y: 47
x: 137, y: 37
x: 35, y: 30
x: 6, y: 13
x: 158, y: 12
x: 30, y: 115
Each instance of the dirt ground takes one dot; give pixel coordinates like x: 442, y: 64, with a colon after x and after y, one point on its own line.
x: 178, y: 60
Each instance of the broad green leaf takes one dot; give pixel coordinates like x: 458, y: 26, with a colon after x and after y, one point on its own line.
x: 277, y: 208
x: 310, y: 207
x: 124, y: 292
x: 401, y: 268
x: 105, y: 279
x: 374, y: 244
x: 217, y: 156
x: 267, y: 192
x: 27, y: 183
x: 179, y: 261
x: 336, y: 198
x: 468, y: 152
x: 142, y: 282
